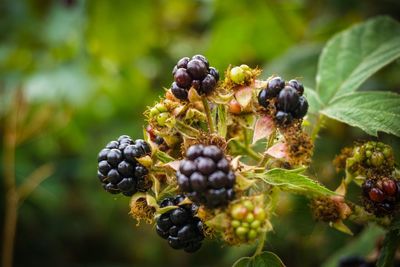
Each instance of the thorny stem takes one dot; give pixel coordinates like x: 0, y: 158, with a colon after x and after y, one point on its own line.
x: 207, y: 110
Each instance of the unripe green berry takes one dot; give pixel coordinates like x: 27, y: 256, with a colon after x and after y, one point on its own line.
x: 237, y: 75
x: 249, y: 205
x: 238, y: 212
x: 387, y: 152
x: 256, y: 224
x: 259, y: 214
x: 377, y: 159
x: 252, y: 234
x: 358, y: 154
x: 241, y: 231
x: 161, y: 108
x: 245, y: 67
x: 250, y: 218
x: 235, y: 223
x: 245, y: 224
x: 154, y: 112
x: 162, y: 118
x: 368, y: 153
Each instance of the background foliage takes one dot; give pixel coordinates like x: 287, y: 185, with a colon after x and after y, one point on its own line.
x: 88, y: 70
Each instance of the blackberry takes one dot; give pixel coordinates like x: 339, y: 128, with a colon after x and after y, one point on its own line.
x: 206, y: 176
x: 380, y: 195
x: 214, y: 72
x: 182, y: 78
x: 288, y: 99
x: 297, y: 85
x: 275, y: 85
x: 301, y: 109
x: 195, y: 72
x: 283, y: 117
x: 178, y: 92
x: 180, y: 226
x: 118, y: 168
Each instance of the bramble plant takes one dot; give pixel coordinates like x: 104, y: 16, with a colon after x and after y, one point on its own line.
x: 217, y: 152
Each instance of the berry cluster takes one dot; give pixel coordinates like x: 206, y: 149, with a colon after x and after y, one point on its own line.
x: 118, y: 168
x: 247, y: 220
x: 195, y: 72
x: 180, y: 226
x: 206, y: 176
x: 240, y: 74
x: 160, y: 113
x: 289, y: 100
x: 373, y: 155
x: 381, y: 195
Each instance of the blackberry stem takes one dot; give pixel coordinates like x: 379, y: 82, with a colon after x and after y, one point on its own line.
x: 207, y: 110
x: 248, y: 151
x: 260, y: 245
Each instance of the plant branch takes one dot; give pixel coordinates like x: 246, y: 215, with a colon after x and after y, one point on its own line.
x: 11, y: 201
x: 33, y: 181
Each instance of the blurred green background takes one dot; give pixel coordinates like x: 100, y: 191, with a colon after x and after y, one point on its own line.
x: 88, y: 69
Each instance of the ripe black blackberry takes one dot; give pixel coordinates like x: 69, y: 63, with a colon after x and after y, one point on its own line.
x: 180, y: 226
x: 118, y: 168
x: 381, y: 195
x: 289, y: 100
x: 195, y: 72
x: 205, y: 175
x: 274, y: 86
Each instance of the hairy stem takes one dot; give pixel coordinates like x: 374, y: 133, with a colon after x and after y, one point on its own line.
x: 207, y: 110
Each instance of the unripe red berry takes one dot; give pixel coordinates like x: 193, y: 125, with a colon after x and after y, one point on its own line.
x: 389, y: 187
x: 234, y: 107
x: 376, y: 195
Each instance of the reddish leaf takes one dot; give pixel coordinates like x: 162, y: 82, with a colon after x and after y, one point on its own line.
x: 263, y: 128
x: 244, y: 96
x: 278, y: 151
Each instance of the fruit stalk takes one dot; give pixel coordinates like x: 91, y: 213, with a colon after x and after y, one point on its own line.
x: 207, y: 110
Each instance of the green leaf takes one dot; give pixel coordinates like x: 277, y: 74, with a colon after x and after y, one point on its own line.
x: 314, y: 102
x: 264, y: 259
x: 353, y: 55
x: 294, y: 181
x: 362, y: 245
x: 370, y: 111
